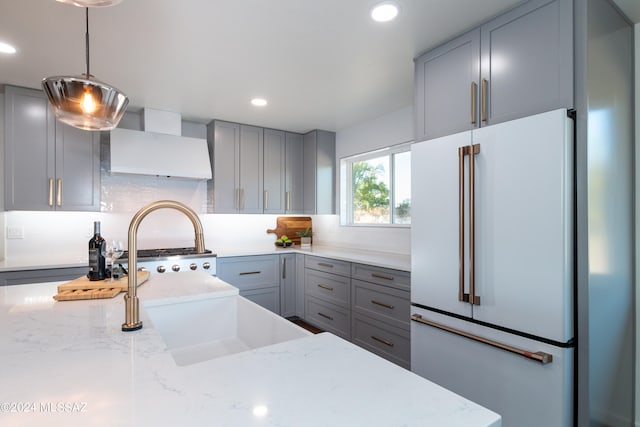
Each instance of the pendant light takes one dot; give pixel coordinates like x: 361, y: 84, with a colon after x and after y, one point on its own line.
x: 83, y: 101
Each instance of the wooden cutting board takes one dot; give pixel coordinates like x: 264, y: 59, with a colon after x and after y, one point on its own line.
x: 83, y: 288
x: 289, y: 225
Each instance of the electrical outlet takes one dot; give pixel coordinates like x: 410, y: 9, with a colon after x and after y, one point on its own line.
x: 15, y: 233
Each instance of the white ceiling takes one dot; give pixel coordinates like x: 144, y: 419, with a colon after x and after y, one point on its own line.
x: 320, y: 63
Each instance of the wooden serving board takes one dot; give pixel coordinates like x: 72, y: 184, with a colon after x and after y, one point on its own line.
x: 83, y: 288
x: 289, y: 225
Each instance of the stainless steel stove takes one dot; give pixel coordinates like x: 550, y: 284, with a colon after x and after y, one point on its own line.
x: 173, y: 260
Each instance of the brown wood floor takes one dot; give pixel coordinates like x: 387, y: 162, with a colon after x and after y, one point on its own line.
x: 305, y: 325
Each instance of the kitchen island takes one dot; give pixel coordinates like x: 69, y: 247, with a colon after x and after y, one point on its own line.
x: 68, y: 363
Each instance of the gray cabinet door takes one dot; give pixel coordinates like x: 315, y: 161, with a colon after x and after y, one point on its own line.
x: 274, y: 171
x: 446, y: 85
x: 294, y: 175
x: 309, y: 168
x: 527, y: 60
x: 251, y: 169
x: 48, y: 165
x: 319, y: 160
x: 288, y: 280
x: 226, y: 158
x: 77, y: 168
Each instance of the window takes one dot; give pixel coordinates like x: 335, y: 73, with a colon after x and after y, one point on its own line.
x: 376, y: 187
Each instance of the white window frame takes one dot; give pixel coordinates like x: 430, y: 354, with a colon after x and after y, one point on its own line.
x: 346, y: 190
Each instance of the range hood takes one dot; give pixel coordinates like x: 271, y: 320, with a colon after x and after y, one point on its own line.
x: 159, y: 150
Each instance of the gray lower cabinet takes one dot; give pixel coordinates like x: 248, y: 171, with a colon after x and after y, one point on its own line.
x: 515, y: 65
x: 237, y: 159
x: 257, y: 278
x: 288, y: 285
x: 23, y: 277
x: 48, y: 165
x: 319, y: 163
x: 294, y: 174
x: 274, y: 171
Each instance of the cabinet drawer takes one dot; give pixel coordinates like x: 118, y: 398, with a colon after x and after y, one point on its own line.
x: 327, y: 316
x: 386, y: 341
x: 329, y: 265
x: 382, y: 276
x: 250, y: 272
x: 328, y: 287
x: 380, y: 302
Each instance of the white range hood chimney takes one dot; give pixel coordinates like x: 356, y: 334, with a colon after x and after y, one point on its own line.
x: 160, y: 150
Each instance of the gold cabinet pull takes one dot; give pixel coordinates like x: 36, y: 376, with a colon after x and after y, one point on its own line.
x: 383, y: 341
x: 246, y: 273
x: 59, y: 192
x: 538, y: 356
x: 473, y: 299
x: 284, y: 267
x: 325, y: 264
x: 381, y: 276
x: 325, y: 316
x: 328, y: 288
x: 288, y: 196
x: 242, y: 198
x: 483, y: 100
x: 237, y: 199
x: 51, y: 192
x: 266, y: 199
x: 381, y: 304
x: 474, y: 91
x: 462, y: 152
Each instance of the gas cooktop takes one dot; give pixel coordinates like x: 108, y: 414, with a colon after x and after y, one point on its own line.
x: 168, y: 252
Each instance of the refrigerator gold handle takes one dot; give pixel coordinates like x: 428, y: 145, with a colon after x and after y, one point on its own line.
x: 538, y: 356
x: 474, y: 91
x: 462, y: 152
x: 473, y: 299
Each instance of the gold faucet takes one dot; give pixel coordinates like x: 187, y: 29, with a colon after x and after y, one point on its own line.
x: 131, y: 303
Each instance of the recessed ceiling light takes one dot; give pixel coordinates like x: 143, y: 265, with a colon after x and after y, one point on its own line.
x: 7, y: 48
x: 259, y: 102
x: 386, y: 11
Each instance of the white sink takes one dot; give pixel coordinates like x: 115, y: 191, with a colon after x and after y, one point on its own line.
x: 212, y: 326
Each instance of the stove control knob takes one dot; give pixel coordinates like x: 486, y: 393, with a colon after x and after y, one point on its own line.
x: 206, y: 265
x: 175, y: 267
x: 193, y: 266
x: 161, y: 269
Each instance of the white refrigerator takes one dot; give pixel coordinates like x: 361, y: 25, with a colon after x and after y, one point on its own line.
x: 492, y: 270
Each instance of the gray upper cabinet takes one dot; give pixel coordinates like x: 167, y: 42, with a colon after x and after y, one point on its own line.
x: 274, y: 171
x: 294, y: 175
x: 48, y: 165
x: 237, y: 167
x: 446, y: 80
x: 517, y: 64
x: 319, y: 152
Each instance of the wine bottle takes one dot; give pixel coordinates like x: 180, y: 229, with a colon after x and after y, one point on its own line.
x: 97, y: 246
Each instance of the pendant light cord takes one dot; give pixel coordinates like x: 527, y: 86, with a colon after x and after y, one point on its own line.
x: 87, y: 39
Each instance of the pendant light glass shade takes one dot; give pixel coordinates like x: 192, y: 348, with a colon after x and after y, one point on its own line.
x: 83, y: 101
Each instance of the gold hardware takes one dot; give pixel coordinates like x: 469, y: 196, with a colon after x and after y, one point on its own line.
x: 473, y: 299
x: 237, y: 199
x: 328, y: 288
x: 483, y: 100
x: 324, y: 264
x: 59, y: 192
x: 131, y: 303
x: 284, y: 267
x: 325, y: 316
x: 246, y: 273
x: 288, y: 194
x: 474, y: 90
x: 538, y: 356
x: 380, y: 340
x: 381, y: 304
x: 51, y: 192
x: 242, y: 198
x: 266, y: 199
x: 381, y: 276
x: 462, y: 296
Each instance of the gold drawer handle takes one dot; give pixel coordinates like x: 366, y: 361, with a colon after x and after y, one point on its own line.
x: 381, y: 276
x: 244, y: 273
x: 380, y: 340
x: 381, y: 304
x: 324, y: 264
x: 329, y: 288
x: 325, y: 316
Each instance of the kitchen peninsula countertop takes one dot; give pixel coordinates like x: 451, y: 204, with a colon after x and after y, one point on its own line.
x: 68, y: 363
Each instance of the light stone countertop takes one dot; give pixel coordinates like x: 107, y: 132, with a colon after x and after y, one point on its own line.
x: 380, y: 259
x: 68, y: 363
